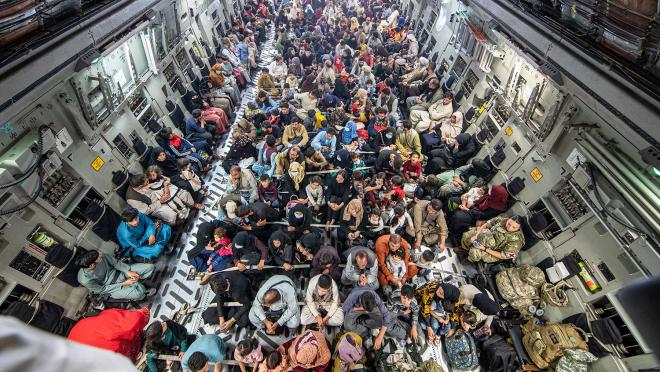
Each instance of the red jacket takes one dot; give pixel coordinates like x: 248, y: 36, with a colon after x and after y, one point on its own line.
x: 113, y: 329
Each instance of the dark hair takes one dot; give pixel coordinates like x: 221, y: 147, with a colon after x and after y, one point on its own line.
x: 197, y: 361
x: 447, y: 95
x: 309, y: 152
x: 219, y: 284
x: 137, y: 180
x: 397, y: 180
x: 196, y: 113
x: 264, y: 177
x: 153, y: 335
x: 245, y: 347
x: 242, y: 210
x: 87, y: 258
x: 381, y: 110
x: 407, y: 291
x: 367, y: 301
x: 270, y: 140
x: 316, y: 179
x: 360, y: 254
x: 271, y: 296
x: 386, y: 90
x: 265, y: 124
x: 469, y: 317
x: 183, y: 163
x: 325, y: 259
x: 516, y: 218
x: 428, y: 255
x: 129, y: 214
x: 331, y: 131
x: 273, y: 359
x: 406, y: 124
x: 397, y: 163
x: 436, y: 204
x: 325, y: 281
x: 398, y: 253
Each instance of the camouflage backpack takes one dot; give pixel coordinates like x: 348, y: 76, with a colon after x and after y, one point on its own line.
x: 545, y: 344
x: 519, y: 286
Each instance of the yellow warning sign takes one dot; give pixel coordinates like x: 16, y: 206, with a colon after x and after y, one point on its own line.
x: 536, y: 174
x: 98, y: 163
x: 508, y: 131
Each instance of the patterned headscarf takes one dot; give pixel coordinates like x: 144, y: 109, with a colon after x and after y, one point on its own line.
x: 297, y: 179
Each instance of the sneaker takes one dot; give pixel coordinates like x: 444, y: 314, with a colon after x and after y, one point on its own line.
x: 150, y: 292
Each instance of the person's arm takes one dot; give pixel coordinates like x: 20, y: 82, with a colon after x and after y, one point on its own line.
x: 417, y: 223
x: 334, y: 306
x: 218, y: 367
x: 117, y: 264
x: 286, y: 136
x: 316, y: 142
x: 305, y: 137
x: 399, y: 146
x: 291, y: 307
x: 349, y: 302
x: 151, y: 361
x: 417, y: 144
x: 309, y: 297
x: 150, y: 230
x: 263, y: 249
x: 333, y: 145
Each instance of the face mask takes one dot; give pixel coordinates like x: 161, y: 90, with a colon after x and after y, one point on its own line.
x: 389, y: 136
x: 293, y: 174
x: 374, y: 221
x: 298, y: 215
x: 218, y: 72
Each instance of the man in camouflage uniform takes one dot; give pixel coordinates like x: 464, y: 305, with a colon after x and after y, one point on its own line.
x: 498, y: 239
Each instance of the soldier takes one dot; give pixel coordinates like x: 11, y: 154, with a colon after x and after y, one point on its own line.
x: 500, y: 238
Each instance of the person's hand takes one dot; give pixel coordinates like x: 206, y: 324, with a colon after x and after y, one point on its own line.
x: 363, y: 280
x: 396, y: 282
x: 152, y: 240
x: 464, y: 208
x: 326, y: 271
x: 209, y: 247
x: 226, y: 326
x: 419, y: 101
x: 356, y: 234
x: 351, y: 236
x: 287, y: 266
x: 378, y: 342
x: 267, y: 202
x: 164, y: 198
x: 128, y: 282
x: 290, y: 228
x: 319, y: 322
x: 473, y: 239
x: 261, y: 264
x: 193, y: 149
x: 132, y: 275
x: 413, y: 333
x: 261, y: 223
x: 241, y: 266
x: 418, y: 245
x: 441, y: 246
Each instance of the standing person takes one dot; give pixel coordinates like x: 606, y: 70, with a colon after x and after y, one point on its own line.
x: 322, y: 303
x: 206, y: 351
x: 102, y: 274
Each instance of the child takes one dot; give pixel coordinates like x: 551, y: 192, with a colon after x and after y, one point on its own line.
x: 468, y: 198
x: 221, y: 244
x: 268, y: 192
x: 310, y: 121
x: 424, y: 274
x: 412, y: 169
x: 396, y: 265
x: 189, y: 175
x: 315, y: 196
x: 374, y: 227
x: 396, y: 184
x: 248, y: 352
x: 288, y: 92
x: 358, y: 162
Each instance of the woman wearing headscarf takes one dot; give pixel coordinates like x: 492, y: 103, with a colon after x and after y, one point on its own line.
x: 348, y: 352
x: 280, y: 250
x: 366, y: 80
x: 293, y: 183
x: 349, y: 133
x: 451, y: 128
x: 309, y: 82
x: 488, y: 206
x: 295, y: 67
x: 349, y: 224
x: 248, y: 250
x: 308, y: 352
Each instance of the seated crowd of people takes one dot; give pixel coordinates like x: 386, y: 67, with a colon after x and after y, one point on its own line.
x: 351, y: 173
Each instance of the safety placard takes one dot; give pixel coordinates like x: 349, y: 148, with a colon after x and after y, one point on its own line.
x: 98, y: 163
x: 536, y: 174
x: 508, y: 131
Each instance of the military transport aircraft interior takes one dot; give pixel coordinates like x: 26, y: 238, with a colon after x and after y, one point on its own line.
x: 329, y: 185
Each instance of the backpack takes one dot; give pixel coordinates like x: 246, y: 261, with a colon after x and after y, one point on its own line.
x: 462, y: 350
x: 498, y: 356
x: 545, y: 344
x: 554, y: 294
x: 519, y: 286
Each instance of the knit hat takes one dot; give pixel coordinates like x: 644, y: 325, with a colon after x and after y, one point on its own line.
x: 487, y: 306
x: 451, y: 292
x: 230, y: 207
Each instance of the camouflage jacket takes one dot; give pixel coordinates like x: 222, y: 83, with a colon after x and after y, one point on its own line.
x: 498, y: 239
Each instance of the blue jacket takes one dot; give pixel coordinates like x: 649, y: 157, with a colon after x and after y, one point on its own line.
x: 267, y: 107
x: 135, y: 238
x: 192, y: 126
x: 321, y: 140
x: 243, y: 53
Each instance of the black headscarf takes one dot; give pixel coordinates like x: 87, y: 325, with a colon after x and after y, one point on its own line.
x: 451, y: 292
x: 169, y: 166
x: 487, y: 306
x: 278, y: 235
